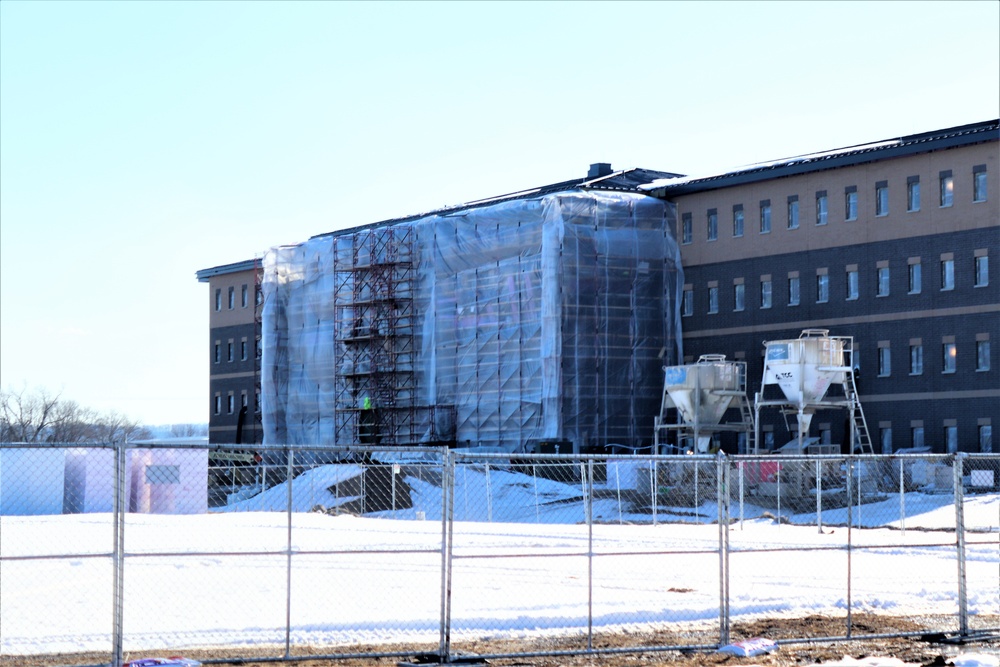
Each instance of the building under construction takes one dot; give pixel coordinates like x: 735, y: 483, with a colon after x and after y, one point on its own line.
x: 542, y: 318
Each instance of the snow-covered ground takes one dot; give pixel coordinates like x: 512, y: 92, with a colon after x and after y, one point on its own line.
x: 520, y: 567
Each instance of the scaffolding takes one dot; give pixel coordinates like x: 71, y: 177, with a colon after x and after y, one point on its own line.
x: 497, y: 327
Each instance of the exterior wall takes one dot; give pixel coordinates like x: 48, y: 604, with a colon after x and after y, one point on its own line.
x: 234, y: 326
x: 966, y: 398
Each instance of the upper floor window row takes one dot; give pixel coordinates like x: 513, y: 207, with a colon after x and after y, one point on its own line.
x: 946, y: 198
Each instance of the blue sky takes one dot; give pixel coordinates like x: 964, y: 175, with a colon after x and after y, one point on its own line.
x: 140, y: 142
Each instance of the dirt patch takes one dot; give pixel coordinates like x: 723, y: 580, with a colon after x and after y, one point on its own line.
x: 613, y: 649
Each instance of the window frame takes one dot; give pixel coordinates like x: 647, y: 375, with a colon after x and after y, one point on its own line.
x: 881, y: 199
x: 244, y: 296
x: 713, y: 224
x: 979, y: 184
x: 713, y: 300
x: 916, y: 359
x: 949, y: 358
x: 853, y: 285
x: 882, y: 284
x: 947, y: 275
x: 822, y: 208
x: 912, y: 194
x: 914, y: 278
x: 765, y: 216
x: 851, y: 203
x: 738, y: 221
x: 884, y: 361
x: 687, y: 303
x: 946, y: 183
x: 766, y: 294
x: 822, y: 288
x: 794, y: 291
x: 981, y: 271
x: 739, y: 297
x: 793, y: 212
x: 687, y: 229
x: 982, y: 355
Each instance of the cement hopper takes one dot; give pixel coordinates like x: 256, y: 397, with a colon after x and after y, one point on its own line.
x: 804, y: 369
x: 703, y: 391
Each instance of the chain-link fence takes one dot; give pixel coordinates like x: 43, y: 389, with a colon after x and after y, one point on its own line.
x: 116, y: 551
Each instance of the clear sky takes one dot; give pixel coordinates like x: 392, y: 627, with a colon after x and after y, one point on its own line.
x: 140, y: 142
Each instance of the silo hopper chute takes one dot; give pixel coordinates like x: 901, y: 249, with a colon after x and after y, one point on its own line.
x: 701, y: 393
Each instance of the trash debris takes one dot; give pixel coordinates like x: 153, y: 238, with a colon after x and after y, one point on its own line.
x: 173, y: 661
x: 750, y: 647
x: 975, y: 660
x: 867, y: 662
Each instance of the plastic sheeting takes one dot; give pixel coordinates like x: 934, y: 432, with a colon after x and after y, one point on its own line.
x: 545, y: 319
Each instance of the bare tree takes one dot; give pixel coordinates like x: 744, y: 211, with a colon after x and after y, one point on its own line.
x: 39, y: 416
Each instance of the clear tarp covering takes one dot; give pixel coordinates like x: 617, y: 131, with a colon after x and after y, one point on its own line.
x: 536, y: 320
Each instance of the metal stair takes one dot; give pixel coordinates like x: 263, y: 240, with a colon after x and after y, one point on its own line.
x: 862, y: 438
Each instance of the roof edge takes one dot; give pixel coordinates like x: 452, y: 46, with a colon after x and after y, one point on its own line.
x: 204, y: 275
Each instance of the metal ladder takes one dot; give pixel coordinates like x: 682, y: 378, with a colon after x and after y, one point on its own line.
x: 747, y: 415
x: 863, y: 440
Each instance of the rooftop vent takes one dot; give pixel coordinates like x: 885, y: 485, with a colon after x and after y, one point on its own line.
x: 599, y: 169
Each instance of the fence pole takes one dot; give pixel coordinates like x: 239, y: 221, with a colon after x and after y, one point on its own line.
x: 819, y: 498
x: 722, y: 493
x: 448, y: 466
x: 288, y: 557
x: 850, y: 522
x: 902, y: 501
x: 958, y: 467
x: 489, y: 495
x: 589, y: 472
x: 118, y: 557
x: 654, y: 491
x: 741, y: 466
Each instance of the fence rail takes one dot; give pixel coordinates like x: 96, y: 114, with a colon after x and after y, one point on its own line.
x: 373, y: 552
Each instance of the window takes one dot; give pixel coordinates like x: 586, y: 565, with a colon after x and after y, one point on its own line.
x: 258, y: 296
x: 243, y: 296
x: 885, y: 438
x: 882, y: 198
x: 232, y: 298
x: 218, y: 351
x: 739, y: 296
x: 985, y: 438
x: 917, y: 436
x: 229, y: 351
x: 913, y: 270
x: 738, y: 220
x: 947, y: 274
x: 243, y: 400
x: 793, y: 290
x: 913, y: 193
x: 713, y: 224
x: 793, y: 212
x: 230, y: 403
x: 982, y: 270
x: 950, y: 354
x: 979, y: 182
x: 765, y: 293
x: 765, y: 216
x: 687, y: 303
x: 768, y: 440
x: 243, y: 350
x: 822, y: 288
x: 218, y: 299
x: 851, y: 203
x: 687, y: 229
x: 256, y: 401
x: 713, y: 299
x: 916, y: 359
x: 852, y: 284
x: 884, y: 360
x: 218, y: 404
x: 883, y: 281
x: 821, y: 208
x: 983, y: 354
x: 947, y: 188
x: 951, y: 439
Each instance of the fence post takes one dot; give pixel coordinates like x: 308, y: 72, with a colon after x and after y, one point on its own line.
x: 958, y: 467
x: 589, y: 487
x: 722, y: 493
x: 288, y: 558
x: 448, y: 465
x: 118, y: 557
x: 850, y: 522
